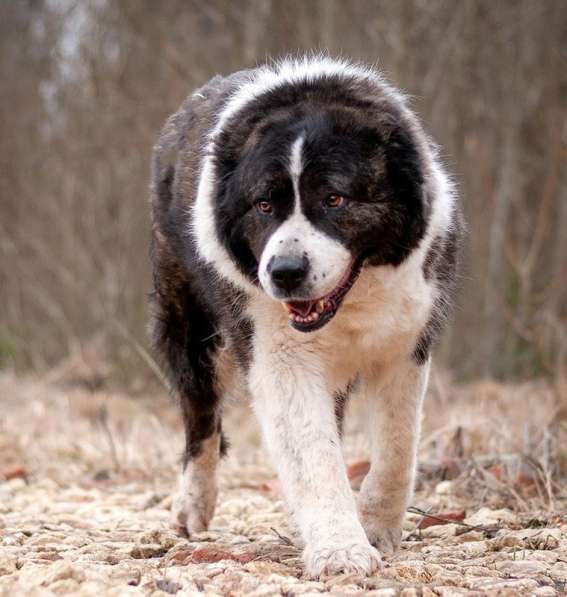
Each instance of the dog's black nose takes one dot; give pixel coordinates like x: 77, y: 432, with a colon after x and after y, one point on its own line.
x: 288, y: 272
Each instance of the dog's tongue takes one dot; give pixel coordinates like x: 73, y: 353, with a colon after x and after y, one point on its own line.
x: 302, y: 308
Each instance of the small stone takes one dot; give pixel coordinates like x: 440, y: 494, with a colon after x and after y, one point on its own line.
x: 474, y: 549
x: 558, y: 572
x: 383, y: 593
x: 168, y: 586
x: 544, y: 539
x: 147, y: 551
x: 409, y: 592
x: 445, y: 488
x: 450, y: 591
x: 48, y: 555
x: 470, y: 536
x: 519, y: 585
x: 545, y: 592
x: 521, y: 567
x: 16, y: 483
x: 342, y: 580
x: 506, y: 541
x: 75, y: 541
x: 440, y: 531
x: 488, y: 517
x: 64, y: 586
x: 14, y: 539
x: 63, y: 571
x: 7, y: 568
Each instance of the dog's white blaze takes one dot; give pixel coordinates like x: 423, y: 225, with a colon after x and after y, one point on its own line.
x: 328, y: 259
x: 296, y: 167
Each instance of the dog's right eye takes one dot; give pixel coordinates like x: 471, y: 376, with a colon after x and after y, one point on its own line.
x: 264, y: 207
x: 334, y: 201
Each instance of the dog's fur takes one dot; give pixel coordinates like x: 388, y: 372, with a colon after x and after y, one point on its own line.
x: 319, y: 164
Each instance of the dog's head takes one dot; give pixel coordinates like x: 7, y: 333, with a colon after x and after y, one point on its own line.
x: 307, y: 183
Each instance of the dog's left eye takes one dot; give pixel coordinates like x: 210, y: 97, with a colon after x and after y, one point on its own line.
x: 334, y: 201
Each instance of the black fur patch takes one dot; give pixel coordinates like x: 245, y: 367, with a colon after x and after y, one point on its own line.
x: 190, y: 318
x: 439, y: 267
x: 341, y: 402
x: 356, y: 144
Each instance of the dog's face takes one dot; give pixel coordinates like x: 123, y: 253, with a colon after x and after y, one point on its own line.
x: 307, y: 197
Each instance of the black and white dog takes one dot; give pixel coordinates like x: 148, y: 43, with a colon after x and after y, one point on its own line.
x: 304, y: 248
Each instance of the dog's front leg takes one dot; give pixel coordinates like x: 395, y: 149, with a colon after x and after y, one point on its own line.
x: 392, y: 414
x: 296, y: 413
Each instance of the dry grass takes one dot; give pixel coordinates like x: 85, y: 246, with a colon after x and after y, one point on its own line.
x: 94, y: 469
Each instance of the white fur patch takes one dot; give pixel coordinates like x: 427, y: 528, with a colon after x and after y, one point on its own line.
x: 292, y: 381
x: 291, y: 70
x: 296, y: 165
x: 194, y: 505
x: 296, y: 411
x: 203, y: 227
x: 328, y: 259
x: 393, y: 404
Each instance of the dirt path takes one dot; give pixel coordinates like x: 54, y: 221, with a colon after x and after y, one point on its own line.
x: 85, y: 510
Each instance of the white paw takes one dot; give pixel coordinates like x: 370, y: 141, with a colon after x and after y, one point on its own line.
x: 386, y: 537
x: 353, y: 558
x: 190, y: 516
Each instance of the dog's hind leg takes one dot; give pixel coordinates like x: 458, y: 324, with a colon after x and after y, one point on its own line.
x: 393, y: 414
x: 185, y: 335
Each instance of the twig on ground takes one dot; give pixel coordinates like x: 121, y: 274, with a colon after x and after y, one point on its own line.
x: 282, y: 538
x: 470, y: 527
x: 103, y: 420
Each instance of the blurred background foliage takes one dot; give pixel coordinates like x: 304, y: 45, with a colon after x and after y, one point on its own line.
x: 86, y: 84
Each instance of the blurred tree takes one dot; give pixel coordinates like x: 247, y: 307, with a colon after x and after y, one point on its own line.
x: 86, y: 85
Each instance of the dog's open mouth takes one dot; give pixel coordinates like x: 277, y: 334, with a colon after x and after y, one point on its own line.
x: 311, y: 315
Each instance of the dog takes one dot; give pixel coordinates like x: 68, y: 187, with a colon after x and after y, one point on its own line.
x: 305, y: 250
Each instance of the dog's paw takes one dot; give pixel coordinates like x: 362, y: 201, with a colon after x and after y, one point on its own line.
x: 385, y: 537
x: 188, y: 517
x: 353, y: 558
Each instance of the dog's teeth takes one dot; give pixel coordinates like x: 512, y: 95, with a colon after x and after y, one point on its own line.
x: 307, y: 319
x: 320, y: 306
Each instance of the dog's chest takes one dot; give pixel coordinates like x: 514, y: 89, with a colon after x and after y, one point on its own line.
x: 379, y: 322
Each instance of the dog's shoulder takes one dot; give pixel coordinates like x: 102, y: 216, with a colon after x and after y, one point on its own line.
x: 182, y: 140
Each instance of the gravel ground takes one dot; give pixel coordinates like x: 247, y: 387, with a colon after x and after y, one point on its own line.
x: 86, y: 480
